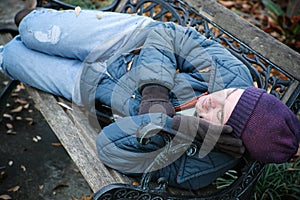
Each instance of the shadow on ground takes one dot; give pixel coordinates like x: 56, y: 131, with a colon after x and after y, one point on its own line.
x: 33, y: 164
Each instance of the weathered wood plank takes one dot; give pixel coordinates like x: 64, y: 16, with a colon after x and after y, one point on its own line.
x: 120, y: 5
x: 89, y: 134
x: 290, y: 91
x: 76, y: 141
x: 5, y: 38
x: 263, y: 43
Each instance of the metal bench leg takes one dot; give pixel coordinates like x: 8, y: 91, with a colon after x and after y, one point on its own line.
x: 5, y: 93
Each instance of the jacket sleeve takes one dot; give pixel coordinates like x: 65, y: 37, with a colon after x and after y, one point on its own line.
x: 169, y: 48
x: 210, y: 62
x: 119, y: 149
x: 156, y: 63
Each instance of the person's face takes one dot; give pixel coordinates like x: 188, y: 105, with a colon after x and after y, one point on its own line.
x: 218, y: 106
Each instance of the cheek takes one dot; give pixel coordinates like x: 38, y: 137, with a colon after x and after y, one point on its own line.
x: 198, y: 106
x: 211, y: 117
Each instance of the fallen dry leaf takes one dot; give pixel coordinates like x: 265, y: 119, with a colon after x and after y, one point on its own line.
x: 39, y: 137
x: 28, y: 119
x: 5, y: 197
x: 9, y: 126
x: 14, y: 94
x: 84, y: 197
x: 77, y: 10
x: 20, y: 87
x: 21, y: 101
x: 135, y: 183
x: 56, y: 144
x: 26, y: 106
x: 290, y: 169
x: 10, y: 163
x: 19, y: 118
x: 14, y: 189
x: 23, y: 168
x: 11, y: 132
x: 10, y: 117
x: 99, y: 16
x: 17, y: 109
x: 227, y: 3
x: 64, y: 105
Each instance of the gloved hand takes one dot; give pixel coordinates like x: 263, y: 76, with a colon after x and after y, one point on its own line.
x: 219, y: 135
x: 155, y: 98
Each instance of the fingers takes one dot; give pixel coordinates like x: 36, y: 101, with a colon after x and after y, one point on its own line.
x: 230, y: 141
x: 236, y: 152
x: 231, y: 145
x: 227, y: 129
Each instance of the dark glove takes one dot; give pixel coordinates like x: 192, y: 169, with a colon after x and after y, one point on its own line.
x: 155, y: 98
x: 217, y: 136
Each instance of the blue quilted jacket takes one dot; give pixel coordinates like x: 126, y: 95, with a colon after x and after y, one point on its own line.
x: 188, y: 64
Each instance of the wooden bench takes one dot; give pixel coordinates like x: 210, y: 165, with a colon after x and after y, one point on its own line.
x: 274, y: 67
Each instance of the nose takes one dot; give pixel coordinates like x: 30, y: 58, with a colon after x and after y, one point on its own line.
x: 204, y: 115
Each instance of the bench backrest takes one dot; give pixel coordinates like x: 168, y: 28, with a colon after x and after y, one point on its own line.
x: 281, y: 81
x: 274, y: 66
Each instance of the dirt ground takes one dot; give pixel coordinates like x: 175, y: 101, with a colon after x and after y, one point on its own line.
x: 33, y: 164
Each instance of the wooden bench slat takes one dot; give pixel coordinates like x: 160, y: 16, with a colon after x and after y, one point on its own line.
x: 88, y: 134
x: 290, y: 91
x: 76, y: 142
x: 5, y: 37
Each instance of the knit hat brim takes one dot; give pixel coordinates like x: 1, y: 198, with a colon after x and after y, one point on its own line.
x: 269, y: 130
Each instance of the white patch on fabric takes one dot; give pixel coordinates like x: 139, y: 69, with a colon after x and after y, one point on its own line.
x: 51, y: 36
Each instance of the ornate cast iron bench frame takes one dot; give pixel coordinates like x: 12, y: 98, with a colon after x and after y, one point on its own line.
x: 278, y: 80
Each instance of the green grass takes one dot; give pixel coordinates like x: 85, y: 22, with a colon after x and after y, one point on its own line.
x: 279, y: 181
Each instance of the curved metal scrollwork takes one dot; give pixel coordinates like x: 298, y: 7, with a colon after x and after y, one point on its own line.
x: 58, y: 5
x: 157, y: 9
x: 295, y: 106
x: 123, y: 191
x: 265, y: 74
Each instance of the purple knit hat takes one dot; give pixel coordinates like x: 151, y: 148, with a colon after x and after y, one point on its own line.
x: 269, y: 129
